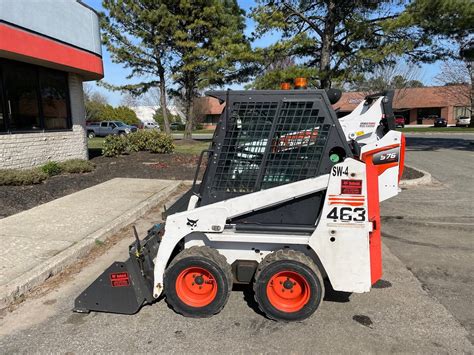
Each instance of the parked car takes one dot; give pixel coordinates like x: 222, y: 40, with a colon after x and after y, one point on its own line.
x: 399, y: 121
x: 177, y: 126
x: 105, y: 128
x: 151, y: 125
x: 463, y: 121
x: 440, y: 122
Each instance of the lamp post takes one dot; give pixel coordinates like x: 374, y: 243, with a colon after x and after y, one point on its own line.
x: 467, y: 54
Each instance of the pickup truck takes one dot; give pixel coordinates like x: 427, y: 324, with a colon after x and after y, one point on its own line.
x: 105, y: 128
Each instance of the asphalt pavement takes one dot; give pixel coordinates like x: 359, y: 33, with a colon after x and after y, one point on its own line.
x: 424, y: 308
x: 431, y: 228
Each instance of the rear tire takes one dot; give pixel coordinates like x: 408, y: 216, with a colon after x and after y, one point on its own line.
x: 288, y: 286
x: 198, y: 282
x: 90, y: 134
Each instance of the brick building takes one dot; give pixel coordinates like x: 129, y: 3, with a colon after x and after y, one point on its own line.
x: 414, y: 104
x: 417, y: 104
x: 47, y: 49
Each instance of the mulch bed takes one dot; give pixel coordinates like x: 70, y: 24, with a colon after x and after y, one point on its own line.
x: 176, y: 166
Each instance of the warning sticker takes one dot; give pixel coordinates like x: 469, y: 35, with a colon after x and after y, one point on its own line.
x: 119, y: 279
x: 351, y: 187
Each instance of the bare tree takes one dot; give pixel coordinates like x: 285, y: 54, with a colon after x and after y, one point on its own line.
x: 398, y: 77
x: 130, y: 100
x: 456, y: 77
x: 92, y: 95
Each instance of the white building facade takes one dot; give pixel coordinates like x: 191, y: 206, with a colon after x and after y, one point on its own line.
x: 47, y: 49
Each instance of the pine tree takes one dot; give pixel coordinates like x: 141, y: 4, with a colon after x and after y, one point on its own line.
x: 339, y: 40
x: 136, y: 34
x: 209, y: 47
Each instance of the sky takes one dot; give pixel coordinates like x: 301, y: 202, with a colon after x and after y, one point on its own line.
x: 116, y: 74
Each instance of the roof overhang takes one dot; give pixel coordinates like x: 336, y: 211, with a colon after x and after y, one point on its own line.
x: 22, y: 45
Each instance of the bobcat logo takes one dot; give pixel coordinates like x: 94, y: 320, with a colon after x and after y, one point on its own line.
x: 192, y: 223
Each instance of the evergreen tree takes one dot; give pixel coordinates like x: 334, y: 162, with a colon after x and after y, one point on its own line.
x: 210, y: 49
x: 338, y: 40
x: 136, y: 34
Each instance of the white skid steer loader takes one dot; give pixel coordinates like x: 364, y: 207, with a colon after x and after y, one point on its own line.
x: 290, y: 196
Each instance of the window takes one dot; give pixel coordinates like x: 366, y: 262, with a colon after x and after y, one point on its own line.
x: 34, y: 98
x: 54, y: 98
x: 104, y: 124
x: 21, y: 97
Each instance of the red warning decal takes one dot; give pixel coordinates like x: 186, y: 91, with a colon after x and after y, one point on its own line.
x: 351, y: 187
x: 119, y: 279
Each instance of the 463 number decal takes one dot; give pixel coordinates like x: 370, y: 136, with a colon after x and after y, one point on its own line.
x: 347, y: 214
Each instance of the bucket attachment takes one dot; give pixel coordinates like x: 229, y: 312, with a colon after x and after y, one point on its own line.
x: 125, y: 286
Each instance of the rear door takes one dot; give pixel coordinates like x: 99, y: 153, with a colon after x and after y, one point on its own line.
x: 103, y: 129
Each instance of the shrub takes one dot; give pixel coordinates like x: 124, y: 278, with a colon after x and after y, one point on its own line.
x: 138, y: 140
x: 51, y: 168
x: 22, y: 177
x: 160, y: 143
x: 115, y: 145
x: 77, y: 166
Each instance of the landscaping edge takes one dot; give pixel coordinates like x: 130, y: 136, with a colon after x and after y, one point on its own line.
x: 426, y: 179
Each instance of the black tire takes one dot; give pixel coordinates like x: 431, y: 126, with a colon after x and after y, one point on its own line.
x: 90, y: 134
x: 198, y: 258
x: 288, y: 262
x: 121, y: 133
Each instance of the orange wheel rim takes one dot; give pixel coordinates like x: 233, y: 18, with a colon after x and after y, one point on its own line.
x: 288, y: 291
x: 196, y: 287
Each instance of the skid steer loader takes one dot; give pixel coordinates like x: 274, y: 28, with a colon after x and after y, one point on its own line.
x: 290, y: 196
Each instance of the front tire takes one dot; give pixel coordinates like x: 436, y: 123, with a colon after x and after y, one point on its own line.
x: 198, y: 282
x: 288, y: 286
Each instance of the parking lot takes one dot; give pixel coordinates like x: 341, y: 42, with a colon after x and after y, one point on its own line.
x: 424, y: 304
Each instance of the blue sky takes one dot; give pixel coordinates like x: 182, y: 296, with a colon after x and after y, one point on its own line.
x: 115, y: 73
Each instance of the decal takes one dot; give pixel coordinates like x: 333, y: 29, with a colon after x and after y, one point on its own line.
x: 340, y: 170
x: 119, y: 279
x: 192, y: 222
x: 351, y: 187
x: 367, y: 124
x: 386, y: 156
x: 295, y: 140
x: 346, y: 214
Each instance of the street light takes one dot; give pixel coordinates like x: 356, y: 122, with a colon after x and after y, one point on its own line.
x: 467, y: 54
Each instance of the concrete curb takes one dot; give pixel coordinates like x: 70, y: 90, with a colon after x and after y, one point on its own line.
x: 426, y: 179
x: 18, y: 287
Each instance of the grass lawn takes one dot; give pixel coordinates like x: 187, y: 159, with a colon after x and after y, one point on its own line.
x: 191, y: 147
x: 186, y: 147
x: 95, y: 143
x: 437, y: 129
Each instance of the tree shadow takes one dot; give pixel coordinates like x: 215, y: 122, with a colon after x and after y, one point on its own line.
x: 436, y: 143
x: 94, y: 153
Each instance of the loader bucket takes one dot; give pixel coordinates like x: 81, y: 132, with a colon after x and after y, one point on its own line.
x: 118, y: 290
x: 125, y: 286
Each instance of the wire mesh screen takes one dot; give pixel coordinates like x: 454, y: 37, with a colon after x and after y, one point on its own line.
x: 297, y: 144
x: 267, y: 144
x: 246, y: 139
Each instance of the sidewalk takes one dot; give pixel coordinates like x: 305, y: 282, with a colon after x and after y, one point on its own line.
x: 40, y: 242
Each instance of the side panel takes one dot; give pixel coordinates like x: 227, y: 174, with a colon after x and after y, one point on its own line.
x: 341, y: 239
x: 384, y: 161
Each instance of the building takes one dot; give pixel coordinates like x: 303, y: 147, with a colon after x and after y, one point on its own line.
x: 207, y: 111
x: 47, y: 49
x: 146, y: 113
x: 416, y: 105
